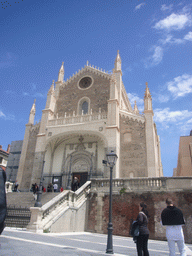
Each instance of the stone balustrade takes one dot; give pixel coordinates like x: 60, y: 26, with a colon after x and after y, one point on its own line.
x: 42, y: 218
x: 78, y: 119
x: 143, y: 184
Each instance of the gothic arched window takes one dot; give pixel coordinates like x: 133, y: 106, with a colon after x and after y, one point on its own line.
x: 85, y: 107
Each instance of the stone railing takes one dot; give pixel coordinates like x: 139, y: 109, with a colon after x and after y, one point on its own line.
x: 143, y: 184
x: 78, y: 119
x: 42, y: 218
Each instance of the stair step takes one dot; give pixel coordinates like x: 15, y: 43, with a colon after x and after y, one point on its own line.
x: 26, y: 199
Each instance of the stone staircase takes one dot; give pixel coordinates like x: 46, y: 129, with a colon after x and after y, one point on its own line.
x: 62, y: 212
x: 26, y: 199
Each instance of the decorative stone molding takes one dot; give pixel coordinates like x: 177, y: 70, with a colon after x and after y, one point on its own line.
x: 134, y: 117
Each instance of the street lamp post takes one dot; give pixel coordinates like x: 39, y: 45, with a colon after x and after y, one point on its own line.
x: 69, y: 175
x: 111, y: 160
x: 39, y: 192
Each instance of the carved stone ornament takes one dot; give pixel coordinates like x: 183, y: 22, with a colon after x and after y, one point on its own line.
x: 80, y: 146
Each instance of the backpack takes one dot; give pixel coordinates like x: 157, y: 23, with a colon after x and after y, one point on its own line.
x: 134, y: 232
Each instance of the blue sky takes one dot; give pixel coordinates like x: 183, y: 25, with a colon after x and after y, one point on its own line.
x: 154, y: 39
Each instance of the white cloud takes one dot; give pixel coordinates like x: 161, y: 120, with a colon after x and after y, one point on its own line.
x: 156, y: 58
x: 158, y: 55
x: 35, y: 95
x: 189, y: 121
x: 174, y: 22
x: 139, y: 6
x: 2, y: 114
x: 39, y: 95
x: 164, y: 7
x: 163, y: 98
x: 25, y: 94
x: 180, y: 86
x: 134, y: 97
x: 188, y: 36
x: 166, y: 116
x: 6, y: 117
x: 171, y: 40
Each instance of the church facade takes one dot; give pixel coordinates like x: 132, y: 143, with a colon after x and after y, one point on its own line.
x: 85, y: 117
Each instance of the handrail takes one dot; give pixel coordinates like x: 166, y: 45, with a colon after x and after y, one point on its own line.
x: 43, y: 217
x: 143, y: 184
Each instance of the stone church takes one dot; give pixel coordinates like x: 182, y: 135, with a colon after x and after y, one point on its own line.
x: 85, y: 117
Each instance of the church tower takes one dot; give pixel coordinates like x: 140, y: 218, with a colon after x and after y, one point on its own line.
x: 47, y: 114
x: 152, y: 139
x: 32, y: 114
x: 24, y: 168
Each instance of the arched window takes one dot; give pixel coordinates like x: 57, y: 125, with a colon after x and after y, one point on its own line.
x: 85, y: 107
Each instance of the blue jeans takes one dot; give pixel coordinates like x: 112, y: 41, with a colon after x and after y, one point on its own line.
x: 181, y: 247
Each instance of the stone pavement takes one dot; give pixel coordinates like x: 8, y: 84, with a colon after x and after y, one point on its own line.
x: 18, y: 242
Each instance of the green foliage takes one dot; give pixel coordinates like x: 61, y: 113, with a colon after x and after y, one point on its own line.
x: 46, y: 230
x: 122, y: 191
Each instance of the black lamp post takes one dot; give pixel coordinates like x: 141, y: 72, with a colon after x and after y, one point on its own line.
x: 39, y: 192
x: 111, y: 160
x: 69, y: 175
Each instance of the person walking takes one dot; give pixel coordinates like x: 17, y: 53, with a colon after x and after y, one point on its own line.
x: 55, y: 187
x: 16, y: 186
x: 75, y: 184
x: 172, y: 218
x: 35, y: 189
x: 3, y: 203
x: 142, y: 239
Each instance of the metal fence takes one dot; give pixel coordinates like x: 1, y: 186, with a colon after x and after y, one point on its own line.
x: 17, y: 217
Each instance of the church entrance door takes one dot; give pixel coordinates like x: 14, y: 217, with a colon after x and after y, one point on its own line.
x: 82, y: 177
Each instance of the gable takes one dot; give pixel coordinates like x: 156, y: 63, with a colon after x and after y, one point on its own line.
x: 89, y: 84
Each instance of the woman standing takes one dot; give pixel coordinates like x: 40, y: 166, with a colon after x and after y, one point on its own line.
x: 142, y: 239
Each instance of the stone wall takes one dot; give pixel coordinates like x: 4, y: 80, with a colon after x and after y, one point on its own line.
x: 125, y: 209
x: 133, y: 148
x: 70, y: 95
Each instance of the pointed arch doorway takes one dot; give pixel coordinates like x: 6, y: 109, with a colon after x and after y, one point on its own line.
x: 80, y: 169
x: 80, y: 164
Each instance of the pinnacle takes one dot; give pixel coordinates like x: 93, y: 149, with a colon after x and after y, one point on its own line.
x: 147, y: 92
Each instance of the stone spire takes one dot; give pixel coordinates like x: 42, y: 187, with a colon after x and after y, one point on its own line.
x: 118, y: 62
x: 147, y: 100
x: 147, y: 92
x: 32, y: 114
x: 61, y: 73
x: 136, y: 110
x: 52, y: 89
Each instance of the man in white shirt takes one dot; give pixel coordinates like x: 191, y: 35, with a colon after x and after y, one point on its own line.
x: 55, y: 187
x: 172, y: 218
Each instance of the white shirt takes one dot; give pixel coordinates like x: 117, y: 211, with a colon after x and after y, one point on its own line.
x: 55, y: 186
x: 174, y: 232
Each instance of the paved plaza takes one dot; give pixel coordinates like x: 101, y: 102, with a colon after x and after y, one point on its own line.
x: 17, y: 242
